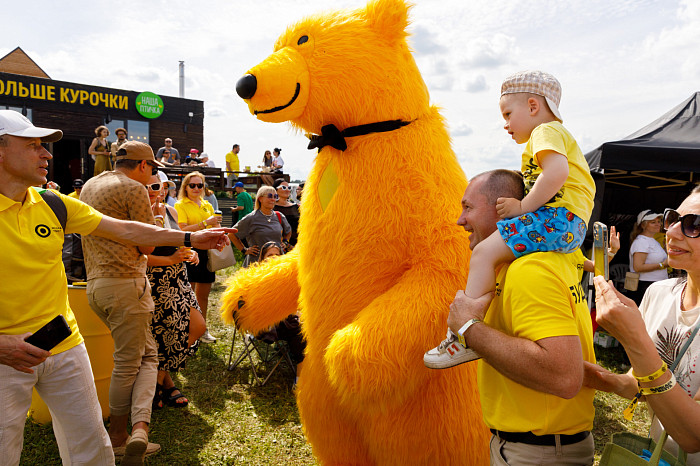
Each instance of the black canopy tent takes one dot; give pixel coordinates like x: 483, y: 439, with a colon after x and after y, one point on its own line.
x: 653, y: 168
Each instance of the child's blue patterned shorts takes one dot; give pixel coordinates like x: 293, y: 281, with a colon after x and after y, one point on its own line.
x: 553, y: 229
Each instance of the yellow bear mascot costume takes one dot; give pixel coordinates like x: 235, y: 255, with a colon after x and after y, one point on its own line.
x: 379, y: 256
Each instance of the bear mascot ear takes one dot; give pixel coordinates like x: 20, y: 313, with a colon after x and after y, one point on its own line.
x: 389, y: 17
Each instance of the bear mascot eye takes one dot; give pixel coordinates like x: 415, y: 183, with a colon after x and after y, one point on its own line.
x: 302, y: 40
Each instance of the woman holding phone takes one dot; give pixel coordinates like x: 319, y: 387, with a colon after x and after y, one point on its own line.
x: 657, y: 332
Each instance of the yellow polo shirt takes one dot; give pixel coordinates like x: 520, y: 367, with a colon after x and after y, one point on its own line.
x: 34, y: 285
x: 190, y: 213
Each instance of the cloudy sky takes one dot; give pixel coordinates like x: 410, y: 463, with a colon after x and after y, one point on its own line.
x: 622, y: 63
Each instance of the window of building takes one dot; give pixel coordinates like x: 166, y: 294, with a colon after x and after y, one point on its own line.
x: 27, y: 111
x: 138, y: 130
x: 112, y: 127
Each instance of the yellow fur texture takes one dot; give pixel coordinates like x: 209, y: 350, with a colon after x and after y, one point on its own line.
x: 379, y: 256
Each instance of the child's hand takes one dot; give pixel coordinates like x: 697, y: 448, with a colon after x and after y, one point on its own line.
x: 508, y: 207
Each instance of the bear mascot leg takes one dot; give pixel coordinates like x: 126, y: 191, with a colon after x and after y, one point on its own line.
x: 379, y: 255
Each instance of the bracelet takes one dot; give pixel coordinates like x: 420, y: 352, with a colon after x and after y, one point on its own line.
x: 188, y: 242
x: 661, y: 265
x: 652, y: 377
x: 628, y: 413
x: 462, y: 331
x: 663, y: 388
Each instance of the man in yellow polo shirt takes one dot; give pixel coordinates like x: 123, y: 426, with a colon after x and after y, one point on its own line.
x: 533, y: 340
x: 34, y: 291
x: 232, y: 165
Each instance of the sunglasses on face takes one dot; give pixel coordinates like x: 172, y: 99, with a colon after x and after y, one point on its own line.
x: 154, y: 186
x: 274, y: 196
x: 690, y: 223
x: 154, y: 169
x: 196, y: 185
x: 284, y: 188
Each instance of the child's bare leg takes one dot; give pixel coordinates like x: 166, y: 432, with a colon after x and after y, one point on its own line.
x: 488, y: 254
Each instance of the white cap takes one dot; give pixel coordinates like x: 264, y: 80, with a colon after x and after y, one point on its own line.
x: 646, y: 215
x: 164, y: 179
x: 15, y: 124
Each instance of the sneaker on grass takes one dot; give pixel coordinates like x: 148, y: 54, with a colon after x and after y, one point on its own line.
x: 449, y: 353
x: 207, y: 338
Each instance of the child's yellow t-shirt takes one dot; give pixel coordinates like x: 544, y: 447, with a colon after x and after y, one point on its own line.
x: 578, y: 190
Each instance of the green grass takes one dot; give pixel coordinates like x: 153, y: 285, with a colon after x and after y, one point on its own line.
x: 231, y: 421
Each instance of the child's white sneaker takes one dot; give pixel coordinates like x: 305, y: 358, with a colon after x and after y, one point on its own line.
x: 449, y: 353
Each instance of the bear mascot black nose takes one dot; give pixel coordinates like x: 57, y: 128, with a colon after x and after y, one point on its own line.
x: 246, y: 86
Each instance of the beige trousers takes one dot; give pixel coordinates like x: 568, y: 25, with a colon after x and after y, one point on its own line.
x: 126, y: 307
x: 513, y: 453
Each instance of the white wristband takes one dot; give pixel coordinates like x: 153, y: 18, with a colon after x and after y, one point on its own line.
x: 465, y: 327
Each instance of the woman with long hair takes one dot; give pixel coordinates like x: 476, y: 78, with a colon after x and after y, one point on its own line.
x: 99, y: 150
x: 195, y: 213
x: 266, y: 168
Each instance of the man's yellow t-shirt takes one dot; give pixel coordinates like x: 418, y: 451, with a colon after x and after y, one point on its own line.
x: 537, y: 296
x: 34, y: 285
x: 233, y: 162
x: 578, y: 190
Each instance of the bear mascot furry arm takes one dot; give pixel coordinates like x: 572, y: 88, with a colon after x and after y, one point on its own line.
x: 379, y: 256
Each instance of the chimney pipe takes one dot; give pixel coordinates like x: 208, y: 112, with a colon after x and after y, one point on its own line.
x: 182, y: 79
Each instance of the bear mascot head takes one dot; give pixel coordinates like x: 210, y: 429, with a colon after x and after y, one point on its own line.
x: 379, y: 255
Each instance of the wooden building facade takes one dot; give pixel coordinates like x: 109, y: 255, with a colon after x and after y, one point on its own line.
x: 77, y: 109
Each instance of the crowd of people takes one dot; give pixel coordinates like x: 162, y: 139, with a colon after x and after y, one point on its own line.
x: 522, y: 313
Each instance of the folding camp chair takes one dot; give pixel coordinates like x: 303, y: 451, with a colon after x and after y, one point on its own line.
x: 271, y: 355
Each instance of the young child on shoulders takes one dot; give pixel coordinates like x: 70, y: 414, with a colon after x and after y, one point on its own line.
x: 553, y: 215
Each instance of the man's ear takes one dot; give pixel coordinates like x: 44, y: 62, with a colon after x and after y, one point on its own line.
x: 534, y: 105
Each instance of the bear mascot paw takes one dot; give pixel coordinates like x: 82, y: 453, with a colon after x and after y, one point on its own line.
x: 379, y: 255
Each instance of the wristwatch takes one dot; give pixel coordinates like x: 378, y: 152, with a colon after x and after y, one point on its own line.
x: 463, y: 330
x: 188, y: 243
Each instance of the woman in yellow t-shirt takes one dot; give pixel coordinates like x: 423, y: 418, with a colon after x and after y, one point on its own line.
x: 195, y: 213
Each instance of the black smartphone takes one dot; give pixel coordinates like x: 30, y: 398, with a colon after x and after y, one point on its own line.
x: 51, y: 334
x: 600, y: 250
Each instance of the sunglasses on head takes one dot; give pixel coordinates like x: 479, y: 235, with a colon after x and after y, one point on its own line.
x: 274, y: 196
x: 196, y: 185
x: 284, y: 188
x: 154, y: 186
x: 690, y: 223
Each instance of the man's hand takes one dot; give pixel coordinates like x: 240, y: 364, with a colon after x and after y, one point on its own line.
x: 464, y: 308
x: 212, y: 238
x: 20, y: 355
x: 508, y: 207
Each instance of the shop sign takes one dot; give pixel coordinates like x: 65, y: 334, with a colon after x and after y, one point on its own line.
x: 149, y: 105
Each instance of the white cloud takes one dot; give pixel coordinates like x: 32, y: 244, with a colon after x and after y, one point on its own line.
x: 621, y: 63
x: 462, y: 128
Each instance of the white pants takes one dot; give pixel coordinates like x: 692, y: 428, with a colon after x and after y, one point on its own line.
x: 66, y: 385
